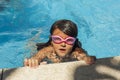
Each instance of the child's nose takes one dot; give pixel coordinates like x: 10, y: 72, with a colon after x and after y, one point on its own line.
x: 63, y: 44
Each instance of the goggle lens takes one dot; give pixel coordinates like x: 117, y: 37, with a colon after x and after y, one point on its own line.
x: 68, y: 40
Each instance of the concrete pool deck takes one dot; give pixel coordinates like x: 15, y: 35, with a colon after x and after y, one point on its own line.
x: 103, y: 69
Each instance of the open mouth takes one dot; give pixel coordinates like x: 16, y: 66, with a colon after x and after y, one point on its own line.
x: 62, y: 50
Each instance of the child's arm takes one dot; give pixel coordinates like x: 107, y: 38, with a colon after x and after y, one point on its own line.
x: 38, y: 57
x: 43, y: 53
x: 80, y: 54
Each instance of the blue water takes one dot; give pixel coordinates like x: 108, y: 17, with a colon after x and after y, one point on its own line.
x: 23, y: 23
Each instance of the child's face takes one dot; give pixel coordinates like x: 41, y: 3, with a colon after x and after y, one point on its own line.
x: 61, y: 49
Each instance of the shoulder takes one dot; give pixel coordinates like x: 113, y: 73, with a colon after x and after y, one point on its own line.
x: 80, y: 50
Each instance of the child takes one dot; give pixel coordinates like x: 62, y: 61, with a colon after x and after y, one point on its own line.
x: 62, y: 46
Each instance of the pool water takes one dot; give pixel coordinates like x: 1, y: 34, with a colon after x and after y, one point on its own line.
x: 23, y: 23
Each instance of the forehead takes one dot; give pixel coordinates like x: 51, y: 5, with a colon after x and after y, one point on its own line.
x: 59, y: 33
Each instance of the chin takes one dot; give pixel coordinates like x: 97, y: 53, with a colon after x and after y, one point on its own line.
x: 62, y: 56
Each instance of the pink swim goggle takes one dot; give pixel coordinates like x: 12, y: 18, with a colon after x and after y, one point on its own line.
x: 57, y: 39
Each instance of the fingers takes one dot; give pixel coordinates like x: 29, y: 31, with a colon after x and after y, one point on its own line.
x: 26, y: 62
x: 90, y: 59
x: 43, y: 63
x: 31, y: 63
x: 36, y: 63
x: 81, y: 56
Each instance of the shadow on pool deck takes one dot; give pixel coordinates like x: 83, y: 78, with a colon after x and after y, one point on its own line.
x: 6, y: 72
x: 103, y: 69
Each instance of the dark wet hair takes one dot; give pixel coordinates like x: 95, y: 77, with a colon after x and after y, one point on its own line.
x: 66, y: 26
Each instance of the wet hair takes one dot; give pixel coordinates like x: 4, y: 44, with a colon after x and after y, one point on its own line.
x: 66, y: 26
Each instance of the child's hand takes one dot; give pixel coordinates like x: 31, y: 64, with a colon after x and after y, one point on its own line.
x: 90, y: 59
x: 34, y: 63
x: 80, y: 55
x: 31, y: 63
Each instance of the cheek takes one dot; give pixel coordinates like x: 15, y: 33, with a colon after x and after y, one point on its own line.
x: 69, y: 48
x: 55, y: 46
